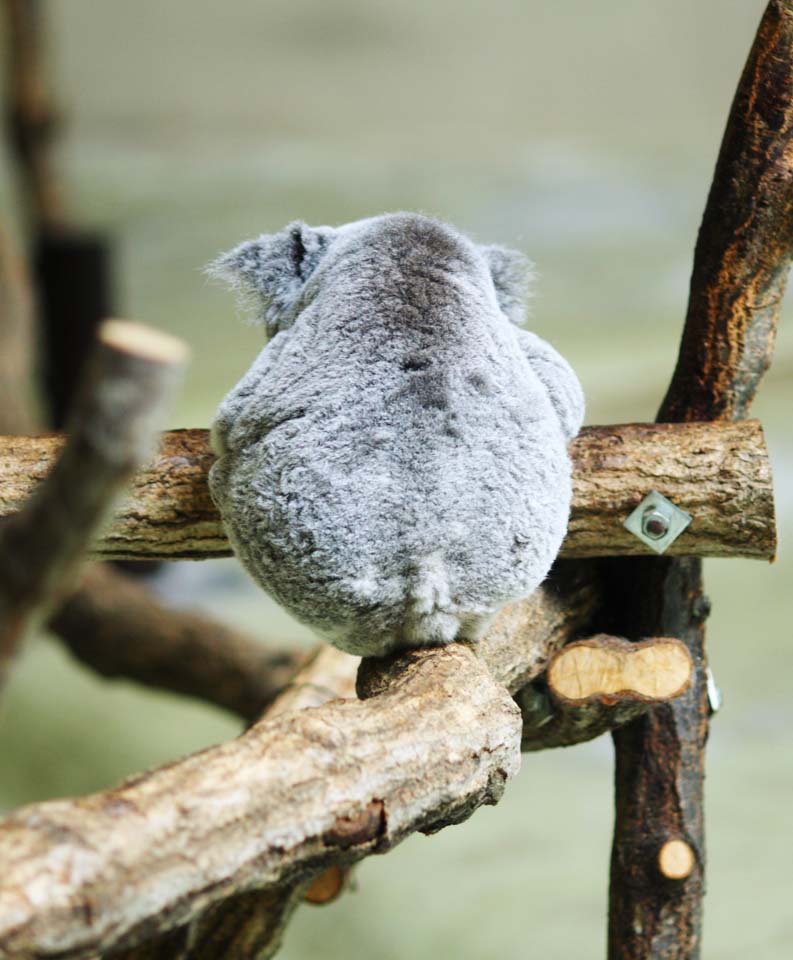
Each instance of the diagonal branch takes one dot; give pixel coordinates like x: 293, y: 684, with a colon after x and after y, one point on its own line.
x: 134, y: 370
x: 292, y: 795
x: 116, y: 627
x: 745, y: 244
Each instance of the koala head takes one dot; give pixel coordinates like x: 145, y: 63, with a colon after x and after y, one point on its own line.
x: 273, y: 272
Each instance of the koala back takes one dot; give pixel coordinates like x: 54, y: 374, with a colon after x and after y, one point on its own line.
x: 392, y: 468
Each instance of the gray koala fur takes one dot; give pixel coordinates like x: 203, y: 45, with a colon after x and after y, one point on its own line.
x: 393, y: 467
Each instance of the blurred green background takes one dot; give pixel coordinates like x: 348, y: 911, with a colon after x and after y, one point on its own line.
x: 583, y: 133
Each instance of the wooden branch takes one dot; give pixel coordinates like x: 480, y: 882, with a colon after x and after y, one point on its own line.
x: 71, y: 267
x: 516, y: 648
x: 597, y: 685
x: 338, y: 754
x: 133, y: 373
x: 292, y: 795
x: 719, y: 473
x: 702, y: 468
x: 740, y: 268
x: 258, y: 920
x: 252, y: 924
x: 745, y: 243
x: 114, y: 625
x: 659, y: 768
x: 31, y: 117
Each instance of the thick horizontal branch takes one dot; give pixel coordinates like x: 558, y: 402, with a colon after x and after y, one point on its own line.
x: 719, y: 473
x: 116, y: 626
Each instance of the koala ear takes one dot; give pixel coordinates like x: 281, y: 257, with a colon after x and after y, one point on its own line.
x: 271, y: 271
x: 512, y: 273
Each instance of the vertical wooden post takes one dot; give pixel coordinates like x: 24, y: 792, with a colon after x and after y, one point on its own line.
x: 741, y: 263
x: 659, y: 771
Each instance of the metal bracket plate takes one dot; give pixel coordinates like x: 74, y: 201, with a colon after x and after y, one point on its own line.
x: 657, y: 522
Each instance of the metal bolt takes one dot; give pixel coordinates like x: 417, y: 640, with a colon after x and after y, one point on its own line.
x: 657, y: 521
x: 654, y: 523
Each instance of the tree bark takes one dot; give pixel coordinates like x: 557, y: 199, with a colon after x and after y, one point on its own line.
x: 740, y: 268
x: 745, y: 244
x: 719, y: 473
x: 659, y: 771
x: 252, y: 924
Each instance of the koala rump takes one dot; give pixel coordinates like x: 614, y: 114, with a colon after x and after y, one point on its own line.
x: 393, y: 467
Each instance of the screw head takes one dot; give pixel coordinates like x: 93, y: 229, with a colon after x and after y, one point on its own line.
x: 655, y: 524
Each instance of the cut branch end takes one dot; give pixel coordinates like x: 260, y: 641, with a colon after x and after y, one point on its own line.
x: 327, y: 886
x: 608, y: 669
x: 146, y: 343
x: 676, y: 860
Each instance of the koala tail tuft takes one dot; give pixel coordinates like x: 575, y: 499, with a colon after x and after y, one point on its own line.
x: 428, y: 619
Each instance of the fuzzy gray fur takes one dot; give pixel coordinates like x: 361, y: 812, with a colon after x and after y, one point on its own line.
x: 393, y: 467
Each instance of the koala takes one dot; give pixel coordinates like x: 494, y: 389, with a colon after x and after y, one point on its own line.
x: 393, y: 467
